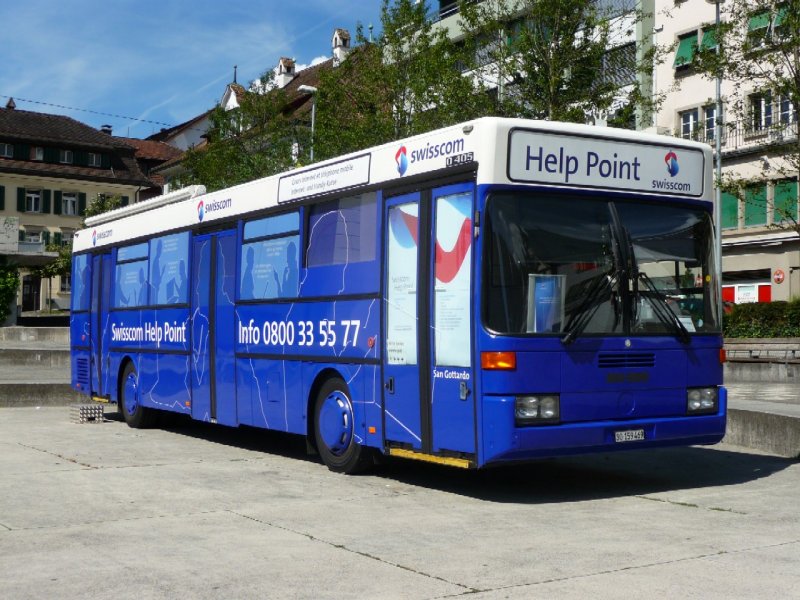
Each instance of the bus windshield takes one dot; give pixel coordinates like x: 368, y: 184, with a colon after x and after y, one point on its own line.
x: 571, y: 265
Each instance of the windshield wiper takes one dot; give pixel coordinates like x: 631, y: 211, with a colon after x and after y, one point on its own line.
x: 586, y: 309
x: 662, y: 310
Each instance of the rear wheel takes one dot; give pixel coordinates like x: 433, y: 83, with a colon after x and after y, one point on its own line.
x: 334, y: 430
x: 135, y: 415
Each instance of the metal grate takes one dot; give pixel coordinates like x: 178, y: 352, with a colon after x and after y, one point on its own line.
x: 82, y: 372
x: 626, y: 360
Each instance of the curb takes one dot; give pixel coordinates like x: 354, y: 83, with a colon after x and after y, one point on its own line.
x: 767, y: 432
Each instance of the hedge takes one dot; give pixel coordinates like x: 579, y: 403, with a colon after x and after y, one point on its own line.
x: 763, y: 320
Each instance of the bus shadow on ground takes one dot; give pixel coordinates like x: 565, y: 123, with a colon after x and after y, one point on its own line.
x: 564, y: 479
x: 595, y: 476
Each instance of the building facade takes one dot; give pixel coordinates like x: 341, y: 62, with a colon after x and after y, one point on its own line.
x: 760, y: 248
x: 51, y: 166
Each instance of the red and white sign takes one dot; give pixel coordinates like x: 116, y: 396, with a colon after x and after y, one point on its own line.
x: 778, y: 276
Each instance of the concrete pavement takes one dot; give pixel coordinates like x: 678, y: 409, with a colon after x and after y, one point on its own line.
x: 104, y: 511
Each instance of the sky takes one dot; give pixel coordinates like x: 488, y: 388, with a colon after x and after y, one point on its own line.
x: 150, y: 64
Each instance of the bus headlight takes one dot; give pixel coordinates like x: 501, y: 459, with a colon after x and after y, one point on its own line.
x: 701, y: 401
x: 530, y: 410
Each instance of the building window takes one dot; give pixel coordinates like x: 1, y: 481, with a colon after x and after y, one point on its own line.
x: 33, y: 237
x: 33, y: 201
x: 37, y: 153
x: 688, y: 120
x: 710, y: 122
x: 787, y: 111
x: 66, y: 284
x: 785, y: 201
x: 758, y: 30
x: 69, y: 203
x: 760, y: 110
x: 94, y: 159
x: 687, y: 47
x: 66, y: 237
x: 65, y: 157
x: 6, y: 150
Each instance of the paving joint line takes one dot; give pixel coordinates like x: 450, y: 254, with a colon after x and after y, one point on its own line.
x: 57, y: 455
x: 313, y: 538
x: 691, y: 505
x: 128, y: 519
x: 629, y: 568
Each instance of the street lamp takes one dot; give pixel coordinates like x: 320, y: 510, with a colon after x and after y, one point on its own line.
x: 310, y: 89
x: 718, y: 153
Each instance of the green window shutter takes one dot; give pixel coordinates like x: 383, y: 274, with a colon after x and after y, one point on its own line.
x: 2, y: 198
x: 759, y: 20
x: 687, y: 46
x: 755, y: 206
x: 730, y: 211
x: 51, y: 155
x: 20, y: 199
x: 46, y: 201
x: 105, y: 161
x: 46, y: 237
x: 785, y: 201
x: 22, y: 152
x: 57, y: 237
x: 709, y: 39
x: 124, y: 201
x: 21, y: 235
x: 81, y: 158
x: 81, y: 203
x: 57, y: 196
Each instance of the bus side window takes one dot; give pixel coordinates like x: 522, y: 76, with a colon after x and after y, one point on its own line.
x: 270, y: 259
x: 169, y: 281
x: 80, y: 282
x: 130, y: 277
x: 342, y: 231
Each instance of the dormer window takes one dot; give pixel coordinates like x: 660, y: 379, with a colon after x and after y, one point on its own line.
x: 6, y: 150
x: 37, y: 153
x: 65, y: 157
x: 94, y: 159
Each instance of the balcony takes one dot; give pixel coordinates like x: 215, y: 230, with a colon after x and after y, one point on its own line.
x: 741, y: 137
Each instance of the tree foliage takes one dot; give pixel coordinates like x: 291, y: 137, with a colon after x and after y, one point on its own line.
x: 255, y: 140
x: 759, y: 52
x: 9, y: 284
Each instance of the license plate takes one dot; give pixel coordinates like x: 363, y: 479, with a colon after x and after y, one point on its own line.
x: 629, y: 435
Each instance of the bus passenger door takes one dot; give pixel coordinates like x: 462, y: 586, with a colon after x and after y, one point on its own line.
x: 402, y: 323
x: 212, y: 325
x: 429, y: 404
x: 100, y: 299
x: 452, y: 374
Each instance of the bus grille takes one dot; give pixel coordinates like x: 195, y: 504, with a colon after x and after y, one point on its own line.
x: 82, y: 372
x: 627, y: 360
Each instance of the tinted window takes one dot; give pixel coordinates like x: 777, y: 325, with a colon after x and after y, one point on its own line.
x: 342, y: 231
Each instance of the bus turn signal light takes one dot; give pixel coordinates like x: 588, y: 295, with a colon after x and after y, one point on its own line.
x: 498, y: 361
x: 723, y: 356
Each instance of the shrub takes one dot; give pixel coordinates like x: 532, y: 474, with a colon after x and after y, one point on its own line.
x: 763, y: 320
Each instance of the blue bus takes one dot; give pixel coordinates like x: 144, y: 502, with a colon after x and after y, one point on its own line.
x: 496, y: 291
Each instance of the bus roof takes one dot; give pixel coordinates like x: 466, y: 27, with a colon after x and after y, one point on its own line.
x: 510, y: 151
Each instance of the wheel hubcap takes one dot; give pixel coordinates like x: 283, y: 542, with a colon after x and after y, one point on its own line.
x: 336, y: 422
x: 131, y: 394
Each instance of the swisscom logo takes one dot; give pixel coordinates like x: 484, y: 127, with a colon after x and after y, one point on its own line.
x: 671, y: 159
x: 101, y: 235
x: 213, y: 206
x: 401, y: 158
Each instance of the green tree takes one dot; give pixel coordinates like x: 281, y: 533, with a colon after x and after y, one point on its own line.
x: 559, y: 60
x: 407, y: 81
x: 9, y: 284
x: 255, y: 140
x: 757, y: 50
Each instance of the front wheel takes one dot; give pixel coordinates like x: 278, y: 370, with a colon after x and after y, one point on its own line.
x: 334, y: 430
x: 129, y: 401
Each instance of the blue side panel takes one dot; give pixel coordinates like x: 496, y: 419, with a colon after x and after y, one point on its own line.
x: 104, y: 325
x: 94, y: 326
x: 200, y: 324
x: 164, y: 381
x: 224, y: 359
x: 453, y: 417
x: 403, y: 419
x: 270, y: 394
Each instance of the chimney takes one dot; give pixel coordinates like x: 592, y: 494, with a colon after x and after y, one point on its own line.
x: 11, y: 105
x: 341, y: 46
x: 106, y: 129
x: 285, y: 72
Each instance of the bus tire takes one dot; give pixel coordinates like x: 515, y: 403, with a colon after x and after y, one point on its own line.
x: 135, y: 415
x: 334, y: 430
